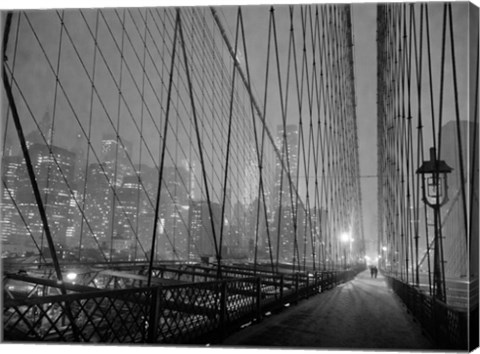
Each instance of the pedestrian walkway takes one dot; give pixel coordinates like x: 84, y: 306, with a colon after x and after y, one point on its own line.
x: 363, y: 313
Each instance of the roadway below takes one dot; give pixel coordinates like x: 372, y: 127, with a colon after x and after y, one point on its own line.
x: 363, y: 313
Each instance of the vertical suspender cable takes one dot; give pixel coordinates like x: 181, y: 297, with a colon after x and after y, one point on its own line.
x: 164, y: 143
x: 474, y: 160
x: 285, y: 142
x: 439, y: 274
x: 117, y: 130
x: 194, y: 112
x: 260, y: 155
x: 229, y: 134
x: 90, y: 116
x: 52, y: 124
x: 31, y: 173
x: 26, y: 154
x: 139, y: 172
x: 459, y: 136
x: 432, y: 107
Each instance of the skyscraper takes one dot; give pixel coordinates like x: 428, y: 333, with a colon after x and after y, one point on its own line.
x: 126, y: 211
x: 174, y: 205
x: 54, y: 172
x: 11, y: 166
x: 115, y: 157
x: 287, y: 145
x: 97, y: 207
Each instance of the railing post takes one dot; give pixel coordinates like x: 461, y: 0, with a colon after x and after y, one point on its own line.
x: 258, y: 291
x: 223, y: 308
x: 296, y: 288
x: 153, y: 315
x: 307, y: 286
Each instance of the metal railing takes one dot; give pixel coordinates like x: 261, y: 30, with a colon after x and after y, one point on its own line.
x: 184, y: 314
x: 445, y: 325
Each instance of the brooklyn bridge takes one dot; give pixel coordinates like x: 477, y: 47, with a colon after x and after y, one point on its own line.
x: 245, y: 175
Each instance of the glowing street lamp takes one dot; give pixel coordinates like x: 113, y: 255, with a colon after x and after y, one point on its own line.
x: 345, y: 237
x: 72, y: 276
x: 435, y: 194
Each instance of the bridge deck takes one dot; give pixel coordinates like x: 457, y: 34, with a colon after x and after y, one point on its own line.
x: 363, y: 313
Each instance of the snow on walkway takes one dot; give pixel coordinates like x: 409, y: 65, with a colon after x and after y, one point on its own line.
x: 363, y: 313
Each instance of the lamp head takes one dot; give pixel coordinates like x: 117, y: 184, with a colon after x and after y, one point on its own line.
x: 434, y: 175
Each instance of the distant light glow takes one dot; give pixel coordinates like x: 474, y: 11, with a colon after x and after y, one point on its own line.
x: 345, y: 237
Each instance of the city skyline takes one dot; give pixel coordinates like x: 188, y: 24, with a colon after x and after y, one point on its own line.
x: 114, y: 186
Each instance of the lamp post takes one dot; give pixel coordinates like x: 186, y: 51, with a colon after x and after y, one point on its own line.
x: 435, y: 194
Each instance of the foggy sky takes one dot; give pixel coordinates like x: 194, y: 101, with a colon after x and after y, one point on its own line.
x: 364, y: 22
